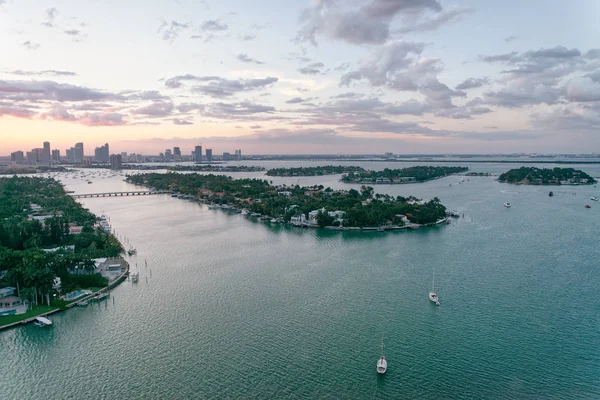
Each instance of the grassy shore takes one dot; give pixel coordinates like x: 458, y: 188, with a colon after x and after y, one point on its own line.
x: 35, y: 311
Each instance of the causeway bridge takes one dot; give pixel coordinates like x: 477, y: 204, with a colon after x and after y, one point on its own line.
x: 120, y: 194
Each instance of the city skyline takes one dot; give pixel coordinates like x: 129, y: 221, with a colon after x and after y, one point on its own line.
x: 310, y: 77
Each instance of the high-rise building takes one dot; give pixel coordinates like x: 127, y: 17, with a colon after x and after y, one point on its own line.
x: 46, y: 153
x: 209, y: 155
x: 39, y: 154
x: 116, y: 161
x: 31, y: 157
x: 238, y: 155
x: 56, y: 155
x: 168, y: 155
x: 226, y: 156
x: 17, y: 157
x: 198, y: 153
x: 124, y: 156
x: 69, y: 154
x: 78, y: 153
x: 102, y: 154
x: 177, y: 152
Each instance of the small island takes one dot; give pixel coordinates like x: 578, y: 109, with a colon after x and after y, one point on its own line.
x: 53, y: 252
x: 403, y: 175
x: 314, y: 206
x: 25, y: 170
x: 182, y: 168
x: 478, y: 174
x: 314, y: 171
x: 546, y: 176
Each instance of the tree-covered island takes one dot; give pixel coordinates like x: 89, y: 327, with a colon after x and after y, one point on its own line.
x: 314, y: 171
x: 44, y: 235
x: 402, y: 175
x: 301, y: 206
x: 546, y: 176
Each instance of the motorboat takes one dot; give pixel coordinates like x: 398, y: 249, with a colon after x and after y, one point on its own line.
x: 588, y: 206
x: 432, y: 295
x: 382, y: 363
x: 551, y: 194
x: 83, y: 303
x: 507, y: 205
x: 42, y: 321
x: 594, y: 198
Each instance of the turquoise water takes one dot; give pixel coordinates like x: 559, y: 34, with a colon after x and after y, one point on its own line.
x: 229, y: 308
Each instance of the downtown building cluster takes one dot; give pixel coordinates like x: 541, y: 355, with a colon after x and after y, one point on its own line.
x: 102, y: 155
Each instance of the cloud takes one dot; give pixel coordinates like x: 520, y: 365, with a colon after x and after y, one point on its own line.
x: 17, y: 112
x: 248, y: 36
x: 213, y: 26
x: 312, y: 69
x: 434, y: 23
x: 582, y: 90
x: 60, y: 113
x: 255, y: 126
x: 472, y: 83
x: 237, y: 110
x: 51, y: 14
x: 187, y: 107
x: 370, y: 21
x: 243, y: 57
x: 215, y: 86
x: 48, y: 72
x: 171, y: 30
x: 156, y: 109
x: 49, y: 90
x: 29, y: 45
x: 295, y: 100
x: 511, y: 39
x: 178, y: 121
x: 210, y: 30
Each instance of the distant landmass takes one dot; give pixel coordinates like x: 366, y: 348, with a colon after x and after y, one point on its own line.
x: 402, y: 175
x: 546, y: 176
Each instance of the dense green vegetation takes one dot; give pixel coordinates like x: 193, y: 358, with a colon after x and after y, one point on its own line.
x: 32, y: 170
x: 193, y: 168
x: 314, y: 171
x: 23, y: 238
x: 546, y: 176
x: 402, y: 175
x: 362, y: 208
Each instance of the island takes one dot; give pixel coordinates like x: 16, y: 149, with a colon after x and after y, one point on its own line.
x: 314, y: 206
x: 314, y: 171
x: 25, y: 169
x: 53, y: 252
x: 403, y: 175
x: 546, y: 176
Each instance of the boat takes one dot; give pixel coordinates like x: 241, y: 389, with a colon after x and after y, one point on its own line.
x: 82, y: 303
x: 212, y: 207
x: 551, y: 194
x: 244, y: 212
x: 507, y: 205
x: 594, y: 198
x: 432, y: 295
x: 453, y: 214
x: 382, y: 363
x: 274, y: 220
x: 588, y: 206
x: 42, y: 321
x: 101, y: 296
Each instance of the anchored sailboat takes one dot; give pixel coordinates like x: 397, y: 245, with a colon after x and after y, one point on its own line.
x: 432, y: 295
x: 382, y: 363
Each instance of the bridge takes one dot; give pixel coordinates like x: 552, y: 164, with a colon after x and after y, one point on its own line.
x: 120, y: 194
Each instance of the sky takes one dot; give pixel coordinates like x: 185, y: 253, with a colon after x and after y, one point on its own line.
x: 301, y: 76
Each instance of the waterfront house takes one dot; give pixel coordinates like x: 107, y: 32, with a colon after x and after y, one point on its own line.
x: 299, y: 220
x: 9, y: 303
x: 35, y: 207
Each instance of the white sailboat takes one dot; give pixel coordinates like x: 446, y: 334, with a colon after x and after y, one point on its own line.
x: 382, y: 363
x: 432, y: 295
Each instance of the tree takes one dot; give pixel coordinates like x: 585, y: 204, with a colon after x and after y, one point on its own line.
x: 324, y: 219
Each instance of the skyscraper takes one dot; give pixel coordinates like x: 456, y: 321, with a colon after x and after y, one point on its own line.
x: 168, y: 156
x: 238, y: 155
x: 78, y: 153
x: 198, y: 153
x: 116, y: 161
x: 226, y: 156
x: 46, y: 153
x: 177, y: 153
x: 102, y: 154
x: 209, y: 155
x: 17, y: 157
x: 56, y: 155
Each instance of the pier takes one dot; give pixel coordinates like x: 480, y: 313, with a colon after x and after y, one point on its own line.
x: 120, y: 194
